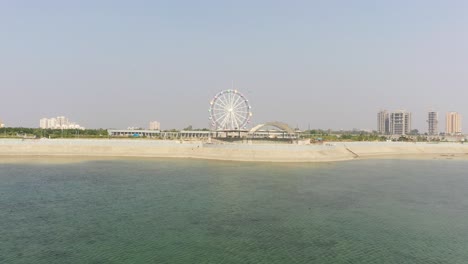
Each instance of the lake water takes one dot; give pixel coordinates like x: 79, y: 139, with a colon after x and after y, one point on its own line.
x: 195, y: 211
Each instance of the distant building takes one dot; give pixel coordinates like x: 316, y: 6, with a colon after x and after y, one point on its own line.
x: 154, y: 125
x: 52, y: 123
x: 432, y: 123
x: 134, y: 128
x: 44, y: 123
x: 453, y: 123
x: 1, y: 124
x: 60, y: 122
x: 383, y: 122
x: 400, y: 122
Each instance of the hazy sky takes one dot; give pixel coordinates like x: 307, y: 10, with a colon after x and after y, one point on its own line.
x: 330, y: 64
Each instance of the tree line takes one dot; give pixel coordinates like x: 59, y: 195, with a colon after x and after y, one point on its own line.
x: 24, y: 132
x: 328, y: 135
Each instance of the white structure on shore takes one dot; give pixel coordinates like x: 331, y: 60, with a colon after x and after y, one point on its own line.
x: 59, y: 122
x: 432, y: 122
x: 453, y: 123
x: 400, y: 122
x: 1, y: 124
x: 154, y: 125
x: 230, y: 111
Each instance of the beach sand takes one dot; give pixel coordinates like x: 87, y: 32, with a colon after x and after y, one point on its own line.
x: 79, y: 150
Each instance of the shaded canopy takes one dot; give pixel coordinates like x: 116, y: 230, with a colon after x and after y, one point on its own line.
x: 280, y: 125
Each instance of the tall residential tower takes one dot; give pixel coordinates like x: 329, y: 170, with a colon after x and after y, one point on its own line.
x: 400, y: 122
x: 154, y: 125
x: 383, y: 122
x: 432, y: 122
x: 453, y: 123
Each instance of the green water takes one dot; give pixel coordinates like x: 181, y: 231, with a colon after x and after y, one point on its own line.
x: 189, y: 211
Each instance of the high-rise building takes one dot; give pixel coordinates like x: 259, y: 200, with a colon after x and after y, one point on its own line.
x: 1, y: 124
x: 44, y: 123
x: 60, y: 122
x: 154, y: 125
x: 52, y: 123
x: 453, y: 123
x: 400, y: 122
x: 432, y: 123
x: 383, y: 122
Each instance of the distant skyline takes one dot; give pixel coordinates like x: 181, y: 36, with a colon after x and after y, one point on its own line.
x: 327, y: 64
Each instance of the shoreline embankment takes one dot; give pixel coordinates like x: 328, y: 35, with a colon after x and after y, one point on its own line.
x: 328, y: 152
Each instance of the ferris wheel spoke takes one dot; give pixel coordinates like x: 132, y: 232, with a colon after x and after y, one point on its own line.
x: 237, y: 100
x: 234, y: 104
x: 242, y: 109
x: 220, y: 125
x: 225, y: 121
x: 229, y: 122
x: 222, y: 101
x: 240, y: 117
x: 239, y: 103
x: 219, y: 109
x: 233, y: 99
x: 228, y: 100
x: 228, y: 97
x: 220, y: 117
x: 233, y: 121
x: 220, y: 104
x: 242, y: 104
x: 236, y: 120
x: 223, y: 111
x: 242, y: 113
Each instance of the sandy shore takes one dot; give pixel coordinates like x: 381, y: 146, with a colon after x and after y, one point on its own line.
x: 101, y: 149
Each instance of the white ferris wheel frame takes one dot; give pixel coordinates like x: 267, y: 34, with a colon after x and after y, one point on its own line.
x: 230, y: 110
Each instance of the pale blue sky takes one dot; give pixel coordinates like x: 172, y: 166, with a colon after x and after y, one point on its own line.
x: 330, y: 64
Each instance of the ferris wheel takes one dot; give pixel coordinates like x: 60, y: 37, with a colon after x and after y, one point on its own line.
x: 230, y: 110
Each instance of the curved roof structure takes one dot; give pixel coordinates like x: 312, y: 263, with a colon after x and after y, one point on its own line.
x: 280, y: 125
